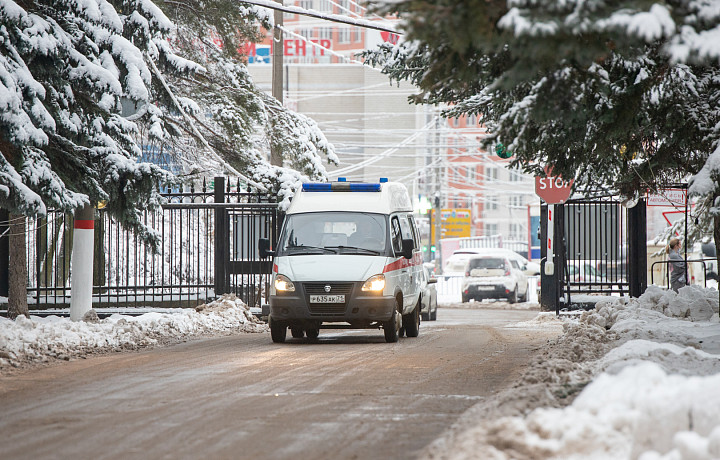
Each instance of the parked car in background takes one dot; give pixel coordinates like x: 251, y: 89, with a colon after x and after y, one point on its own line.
x: 429, y: 296
x: 494, y: 277
x: 528, y: 267
x: 586, y: 271
x: 456, y: 263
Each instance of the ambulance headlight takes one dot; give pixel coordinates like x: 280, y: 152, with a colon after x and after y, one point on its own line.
x: 283, y: 284
x: 374, y: 283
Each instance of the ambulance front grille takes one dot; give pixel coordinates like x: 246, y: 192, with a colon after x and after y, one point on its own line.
x: 328, y: 309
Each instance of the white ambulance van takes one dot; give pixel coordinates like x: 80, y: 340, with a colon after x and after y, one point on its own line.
x: 348, y: 253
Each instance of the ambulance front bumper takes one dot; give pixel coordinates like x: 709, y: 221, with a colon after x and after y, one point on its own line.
x: 357, y: 305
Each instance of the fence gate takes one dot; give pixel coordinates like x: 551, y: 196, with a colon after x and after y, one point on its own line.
x: 240, y: 221
x: 600, y: 249
x: 208, y: 240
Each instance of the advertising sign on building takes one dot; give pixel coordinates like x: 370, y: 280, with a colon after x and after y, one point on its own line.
x: 455, y: 223
x: 262, y: 54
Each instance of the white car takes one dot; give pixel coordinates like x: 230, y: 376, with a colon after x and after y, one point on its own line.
x: 528, y: 267
x: 494, y: 277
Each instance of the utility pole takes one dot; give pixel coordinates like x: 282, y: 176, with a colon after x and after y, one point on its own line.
x: 438, y: 201
x: 277, y: 74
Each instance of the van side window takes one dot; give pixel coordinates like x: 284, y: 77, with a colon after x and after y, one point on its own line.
x: 407, y: 233
x: 416, y: 236
x: 396, y: 234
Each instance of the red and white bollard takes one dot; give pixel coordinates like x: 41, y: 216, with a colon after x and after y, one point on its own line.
x: 81, y: 275
x: 550, y: 260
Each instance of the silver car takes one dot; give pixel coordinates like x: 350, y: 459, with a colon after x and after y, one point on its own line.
x: 429, y: 296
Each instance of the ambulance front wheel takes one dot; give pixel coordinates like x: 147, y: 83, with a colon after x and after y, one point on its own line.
x: 391, y: 327
x: 278, y: 331
x: 411, y: 321
x: 312, y: 333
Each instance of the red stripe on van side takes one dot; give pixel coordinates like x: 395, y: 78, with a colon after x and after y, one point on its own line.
x: 403, y: 263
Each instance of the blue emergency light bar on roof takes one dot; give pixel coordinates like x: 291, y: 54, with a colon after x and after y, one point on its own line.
x: 340, y: 187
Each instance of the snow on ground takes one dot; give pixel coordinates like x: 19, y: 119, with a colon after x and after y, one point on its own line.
x: 26, y: 341
x: 632, y: 379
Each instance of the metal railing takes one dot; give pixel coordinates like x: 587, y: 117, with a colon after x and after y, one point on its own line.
x: 667, y: 272
x: 183, y: 273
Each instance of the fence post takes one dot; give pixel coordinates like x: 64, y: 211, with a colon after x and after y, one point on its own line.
x: 548, y: 284
x: 221, y: 237
x: 81, y: 271
x: 4, y: 252
x: 637, y: 249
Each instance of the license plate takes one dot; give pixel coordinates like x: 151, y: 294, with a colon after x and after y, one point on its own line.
x: 327, y: 299
x: 485, y: 288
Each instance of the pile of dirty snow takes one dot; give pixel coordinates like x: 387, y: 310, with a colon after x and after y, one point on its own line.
x: 35, y: 339
x: 633, y: 379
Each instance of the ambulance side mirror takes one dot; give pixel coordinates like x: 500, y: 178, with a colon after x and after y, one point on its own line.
x: 408, y: 245
x: 264, y: 248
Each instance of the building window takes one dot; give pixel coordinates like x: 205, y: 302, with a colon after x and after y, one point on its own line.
x: 472, y: 120
x: 516, y: 201
x: 344, y: 34
x: 471, y: 174
x: 355, y: 34
x: 491, y: 229
x: 491, y: 203
x: 491, y: 174
x: 516, y: 232
x: 515, y: 176
x: 325, y: 33
x: 306, y: 4
x: 325, y: 6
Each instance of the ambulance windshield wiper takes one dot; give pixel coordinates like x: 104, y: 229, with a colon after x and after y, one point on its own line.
x: 302, y: 247
x: 371, y: 251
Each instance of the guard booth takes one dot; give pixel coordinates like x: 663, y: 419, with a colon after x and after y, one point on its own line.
x: 599, y: 249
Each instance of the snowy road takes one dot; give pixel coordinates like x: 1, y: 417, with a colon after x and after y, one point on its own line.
x: 350, y: 395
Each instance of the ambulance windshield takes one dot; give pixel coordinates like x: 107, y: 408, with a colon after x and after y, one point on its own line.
x: 334, y: 233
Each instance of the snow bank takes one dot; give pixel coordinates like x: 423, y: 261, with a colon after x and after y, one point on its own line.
x: 633, y: 379
x: 36, y: 339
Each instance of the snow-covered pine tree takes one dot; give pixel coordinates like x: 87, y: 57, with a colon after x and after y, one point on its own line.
x: 619, y: 95
x: 236, y: 122
x: 78, y: 79
x: 65, y: 69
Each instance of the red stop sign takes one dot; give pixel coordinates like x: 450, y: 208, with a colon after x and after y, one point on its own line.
x: 553, y: 189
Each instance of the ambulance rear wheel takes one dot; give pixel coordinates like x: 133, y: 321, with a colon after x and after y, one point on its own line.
x: 278, y: 331
x: 411, y: 321
x: 391, y: 327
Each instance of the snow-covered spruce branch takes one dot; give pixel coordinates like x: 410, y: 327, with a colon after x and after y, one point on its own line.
x: 199, y: 135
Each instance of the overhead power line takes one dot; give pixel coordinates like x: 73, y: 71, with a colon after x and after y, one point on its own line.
x: 327, y: 16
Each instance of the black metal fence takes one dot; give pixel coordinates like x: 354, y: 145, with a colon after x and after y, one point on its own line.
x: 208, y: 246
x: 596, y: 242
x: 600, y: 248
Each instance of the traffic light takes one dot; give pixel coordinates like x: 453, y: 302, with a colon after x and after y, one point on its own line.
x: 424, y: 248
x: 432, y: 248
x: 502, y: 152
